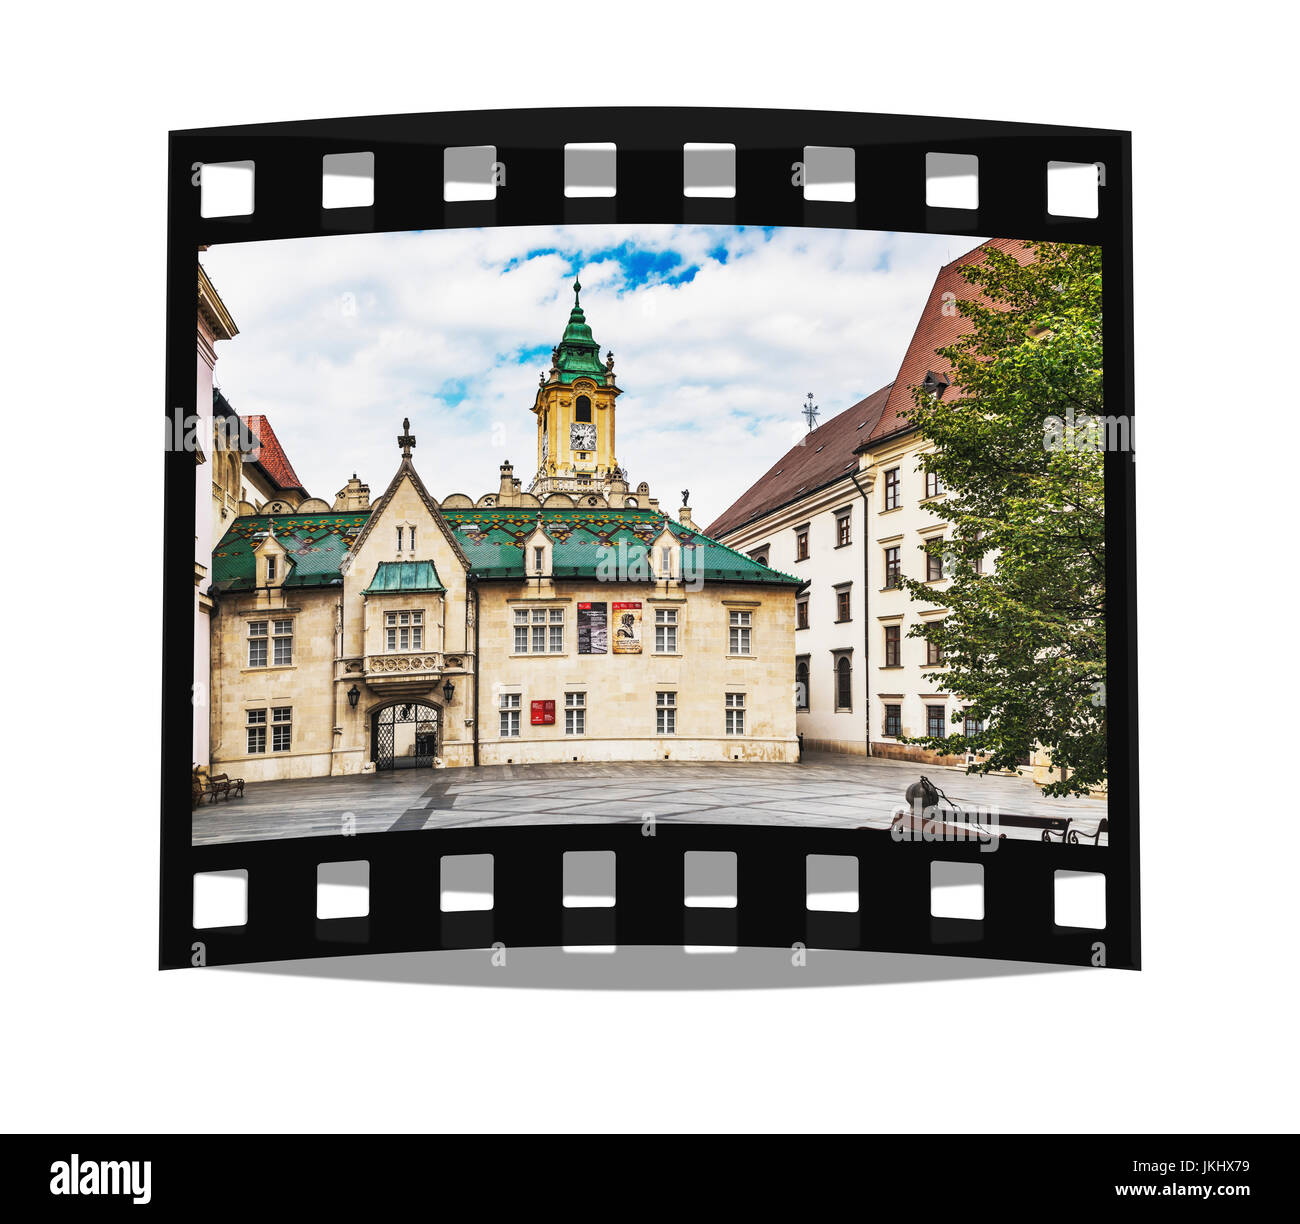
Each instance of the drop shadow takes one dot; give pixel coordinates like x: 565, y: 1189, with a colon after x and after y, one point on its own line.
x: 650, y: 968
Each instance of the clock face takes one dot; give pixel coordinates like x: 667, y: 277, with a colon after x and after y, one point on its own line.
x: 582, y: 436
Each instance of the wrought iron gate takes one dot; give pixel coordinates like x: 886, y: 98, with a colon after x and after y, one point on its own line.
x: 404, y: 735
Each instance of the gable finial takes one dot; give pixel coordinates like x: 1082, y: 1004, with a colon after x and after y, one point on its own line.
x: 406, y: 441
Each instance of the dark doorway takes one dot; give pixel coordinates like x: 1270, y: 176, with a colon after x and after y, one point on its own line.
x: 404, y: 735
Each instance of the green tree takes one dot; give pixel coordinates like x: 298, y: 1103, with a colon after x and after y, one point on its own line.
x: 1018, y: 445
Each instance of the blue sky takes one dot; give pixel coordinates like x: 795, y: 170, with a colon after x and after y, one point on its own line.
x: 718, y: 333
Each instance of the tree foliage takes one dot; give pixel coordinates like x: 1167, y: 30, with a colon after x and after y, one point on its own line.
x: 1024, y: 642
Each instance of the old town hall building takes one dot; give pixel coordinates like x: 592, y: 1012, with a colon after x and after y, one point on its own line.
x: 569, y: 621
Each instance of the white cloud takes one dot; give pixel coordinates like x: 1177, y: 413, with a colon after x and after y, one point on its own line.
x: 340, y: 338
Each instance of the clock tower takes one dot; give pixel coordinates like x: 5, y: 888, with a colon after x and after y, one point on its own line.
x: 575, y: 413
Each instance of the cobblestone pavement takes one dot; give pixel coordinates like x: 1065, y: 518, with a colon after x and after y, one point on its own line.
x: 824, y: 790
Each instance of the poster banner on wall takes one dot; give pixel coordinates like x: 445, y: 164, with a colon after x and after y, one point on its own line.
x: 627, y: 628
x: 593, y: 629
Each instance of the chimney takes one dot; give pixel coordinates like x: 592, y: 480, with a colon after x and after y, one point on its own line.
x: 684, y: 517
x: 507, y: 485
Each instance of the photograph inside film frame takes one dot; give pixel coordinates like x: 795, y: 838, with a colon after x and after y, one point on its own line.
x: 823, y: 547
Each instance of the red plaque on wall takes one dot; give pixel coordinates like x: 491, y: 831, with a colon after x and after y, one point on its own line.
x: 543, y: 713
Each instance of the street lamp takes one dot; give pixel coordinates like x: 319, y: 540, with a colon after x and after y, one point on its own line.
x: 354, y: 695
x: 448, y: 691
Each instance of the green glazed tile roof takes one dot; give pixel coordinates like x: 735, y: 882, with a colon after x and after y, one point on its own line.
x: 581, y: 536
x: 317, y: 544
x: 404, y: 576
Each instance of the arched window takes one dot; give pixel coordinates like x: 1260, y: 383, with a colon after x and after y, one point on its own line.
x: 582, y: 409
x: 844, y: 683
x: 632, y: 502
x: 801, y: 684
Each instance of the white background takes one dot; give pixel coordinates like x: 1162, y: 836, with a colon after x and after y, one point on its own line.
x: 94, y: 1037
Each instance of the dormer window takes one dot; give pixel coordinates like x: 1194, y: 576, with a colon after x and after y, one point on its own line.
x: 935, y: 385
x: 539, y: 559
x: 270, y: 569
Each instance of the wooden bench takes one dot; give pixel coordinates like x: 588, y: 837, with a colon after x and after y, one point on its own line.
x: 222, y: 786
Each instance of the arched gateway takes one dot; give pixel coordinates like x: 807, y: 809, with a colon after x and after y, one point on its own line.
x: 404, y: 735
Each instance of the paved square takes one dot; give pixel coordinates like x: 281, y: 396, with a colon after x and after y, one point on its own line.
x: 824, y: 791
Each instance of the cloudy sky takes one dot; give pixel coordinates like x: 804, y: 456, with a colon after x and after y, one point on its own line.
x: 718, y: 334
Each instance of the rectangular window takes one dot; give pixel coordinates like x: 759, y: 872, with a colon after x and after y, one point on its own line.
x: 412, y: 532
x: 801, y: 614
x: 739, y: 641
x: 399, y: 539
x: 893, y: 568
x: 282, y: 642
x: 933, y: 652
x: 893, y: 645
x: 665, y: 630
x: 801, y: 544
x: 735, y: 711
x: 933, y: 564
x: 843, y: 530
x: 665, y: 563
x: 511, y: 703
x: 575, y: 713
x: 539, y: 631
x: 404, y: 630
x: 933, y: 485
x: 256, y: 730
x: 281, y: 728
x: 270, y: 569
x: 843, y: 604
x: 665, y: 713
x: 893, y: 497
x: 972, y: 726
x: 256, y: 644
x: 893, y: 721
x: 935, y: 719
x: 538, y: 556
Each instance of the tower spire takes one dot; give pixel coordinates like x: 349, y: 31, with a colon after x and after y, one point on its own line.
x: 577, y: 289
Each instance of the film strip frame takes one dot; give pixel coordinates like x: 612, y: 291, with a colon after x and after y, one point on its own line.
x: 771, y: 902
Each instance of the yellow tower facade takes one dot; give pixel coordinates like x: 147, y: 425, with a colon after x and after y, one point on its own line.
x: 575, y: 413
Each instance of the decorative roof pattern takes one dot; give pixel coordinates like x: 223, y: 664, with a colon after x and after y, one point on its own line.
x: 587, y: 543
x: 317, y: 545
x: 404, y: 576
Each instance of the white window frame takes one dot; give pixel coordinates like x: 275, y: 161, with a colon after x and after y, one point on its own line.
x: 404, y: 630
x: 255, y: 721
x: 740, y: 631
x: 575, y: 713
x: 734, y: 709
x: 539, y: 631
x: 510, y: 707
x: 282, y: 638
x: 259, y: 635
x: 666, y: 712
x: 666, y: 625
x: 281, y: 728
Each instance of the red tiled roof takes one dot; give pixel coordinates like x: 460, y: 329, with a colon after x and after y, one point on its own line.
x: 275, y: 463
x: 819, y: 458
x: 935, y: 330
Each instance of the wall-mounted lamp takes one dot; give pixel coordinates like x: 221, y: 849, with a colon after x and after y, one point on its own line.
x: 354, y: 695
x: 448, y: 691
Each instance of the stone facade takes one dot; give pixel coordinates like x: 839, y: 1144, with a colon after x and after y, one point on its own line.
x: 582, y: 625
